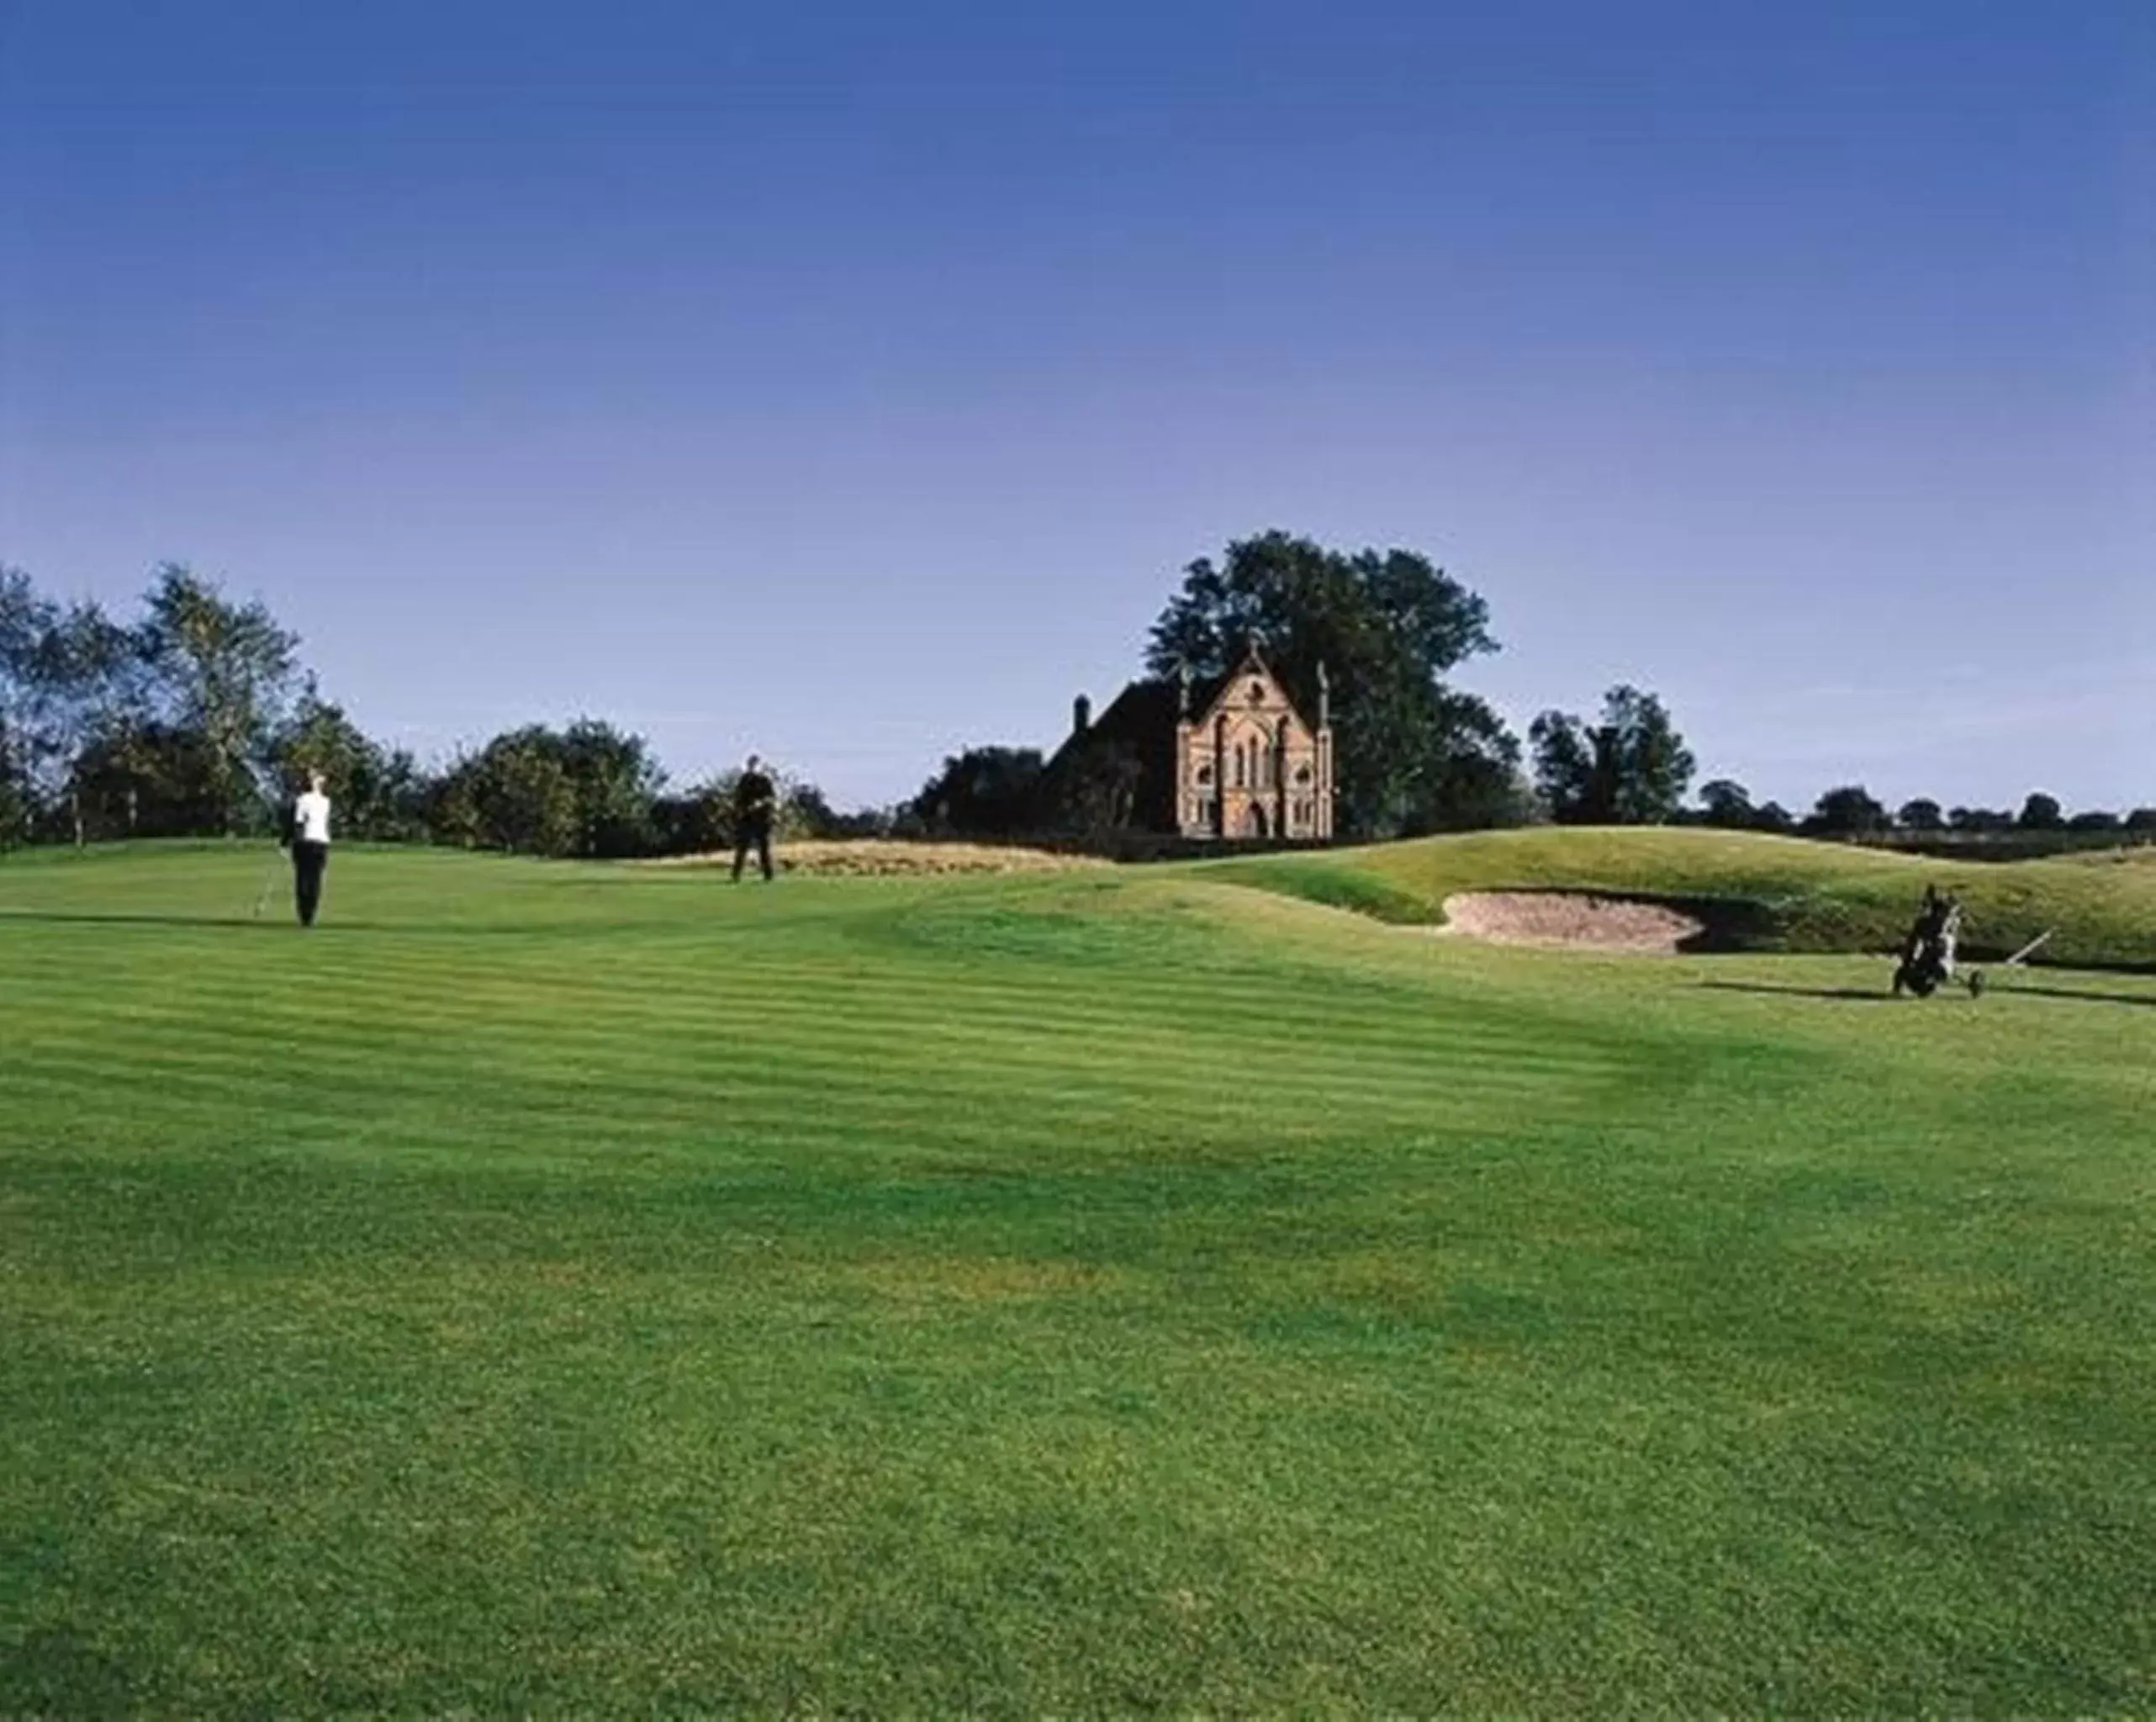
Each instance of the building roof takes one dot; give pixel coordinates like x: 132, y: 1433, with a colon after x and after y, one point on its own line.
x: 1139, y: 723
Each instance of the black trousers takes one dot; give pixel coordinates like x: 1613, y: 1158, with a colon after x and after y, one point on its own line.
x: 758, y: 832
x: 308, y: 863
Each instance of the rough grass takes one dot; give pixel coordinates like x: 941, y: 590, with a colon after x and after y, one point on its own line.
x: 891, y: 857
x: 573, y: 1289
x: 1781, y: 893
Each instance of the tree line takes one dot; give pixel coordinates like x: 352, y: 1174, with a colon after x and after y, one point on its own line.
x: 1850, y: 810
x: 197, y: 717
x: 1418, y: 754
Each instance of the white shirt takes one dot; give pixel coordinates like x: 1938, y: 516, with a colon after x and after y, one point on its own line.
x: 310, y: 814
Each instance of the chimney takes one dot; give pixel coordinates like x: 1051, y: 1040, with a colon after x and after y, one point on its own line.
x: 1324, y: 697
x: 1081, y: 715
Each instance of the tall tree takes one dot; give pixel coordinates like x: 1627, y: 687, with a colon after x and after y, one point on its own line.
x: 699, y: 820
x: 1571, y: 774
x: 226, y: 670
x: 983, y: 792
x: 514, y: 794
x: 2042, y: 812
x: 586, y: 791
x: 1094, y: 790
x: 616, y: 779
x: 1413, y: 754
x: 1726, y: 802
x: 63, y: 675
x: 93, y: 698
x: 1631, y: 769
x: 152, y: 781
x: 1654, y: 766
x: 1849, y: 811
x: 27, y: 618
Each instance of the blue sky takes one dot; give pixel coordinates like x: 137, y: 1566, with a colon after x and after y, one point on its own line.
x: 852, y: 381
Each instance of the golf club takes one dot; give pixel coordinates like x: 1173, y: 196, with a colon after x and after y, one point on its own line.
x: 1978, y: 980
x: 2028, y: 950
x: 269, y: 884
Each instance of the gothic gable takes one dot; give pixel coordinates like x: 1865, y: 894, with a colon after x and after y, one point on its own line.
x: 1252, y: 694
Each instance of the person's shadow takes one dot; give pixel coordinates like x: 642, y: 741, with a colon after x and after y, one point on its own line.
x: 64, y: 918
x: 1885, y: 995
x: 1857, y: 994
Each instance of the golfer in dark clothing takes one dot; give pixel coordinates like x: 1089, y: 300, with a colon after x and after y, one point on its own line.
x: 754, y: 799
x: 310, y: 830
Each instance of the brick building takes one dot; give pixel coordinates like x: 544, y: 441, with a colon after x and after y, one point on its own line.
x: 1230, y: 757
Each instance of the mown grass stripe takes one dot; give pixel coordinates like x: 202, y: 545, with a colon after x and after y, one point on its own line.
x: 1126, y: 1293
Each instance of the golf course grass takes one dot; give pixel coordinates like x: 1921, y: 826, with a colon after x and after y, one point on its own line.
x: 1787, y: 894
x: 556, y: 1287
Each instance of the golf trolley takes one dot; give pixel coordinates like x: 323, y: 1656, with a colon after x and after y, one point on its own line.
x: 1927, y: 953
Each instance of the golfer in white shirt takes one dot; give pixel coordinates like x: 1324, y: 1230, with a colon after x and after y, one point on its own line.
x: 310, y: 847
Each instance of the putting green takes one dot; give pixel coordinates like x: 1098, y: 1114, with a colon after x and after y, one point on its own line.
x: 574, y: 1288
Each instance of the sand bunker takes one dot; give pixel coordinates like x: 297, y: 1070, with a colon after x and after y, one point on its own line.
x: 1570, y: 919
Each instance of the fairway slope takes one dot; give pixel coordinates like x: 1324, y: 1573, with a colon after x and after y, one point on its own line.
x: 1756, y: 892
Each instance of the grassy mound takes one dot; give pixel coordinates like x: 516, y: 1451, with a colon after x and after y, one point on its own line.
x: 565, y: 1289
x: 1775, y: 893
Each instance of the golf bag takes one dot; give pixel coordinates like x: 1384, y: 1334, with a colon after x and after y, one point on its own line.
x: 1927, y: 953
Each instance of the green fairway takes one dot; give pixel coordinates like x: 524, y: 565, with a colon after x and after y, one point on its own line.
x: 571, y: 1288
